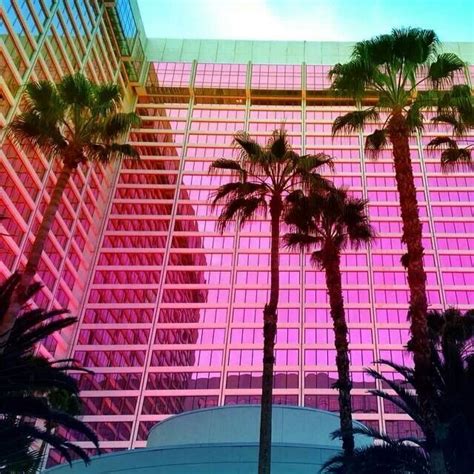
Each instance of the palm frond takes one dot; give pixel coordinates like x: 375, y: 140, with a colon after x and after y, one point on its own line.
x: 354, y: 121
x: 441, y: 71
x: 230, y: 165
x: 241, y: 210
x: 352, y: 79
x: 315, y: 183
x: 457, y: 105
x: 105, y: 153
x: 30, y: 126
x: 16, y: 454
x: 442, y: 142
x: 32, y: 336
x: 35, y: 376
x: 376, y: 142
x: 30, y: 385
x: 453, y: 158
x: 366, y: 431
x: 300, y: 241
x: 317, y: 258
x: 249, y: 149
x: 414, y: 46
x: 361, y: 235
x: 376, y: 51
x: 394, y: 458
x: 76, y: 90
x: 117, y: 126
x: 238, y: 189
x: 405, y: 401
x: 459, y: 127
x: 297, y: 213
x: 107, y: 99
x: 43, y: 99
x: 407, y: 373
x: 278, y: 144
x: 226, y: 192
x: 415, y: 118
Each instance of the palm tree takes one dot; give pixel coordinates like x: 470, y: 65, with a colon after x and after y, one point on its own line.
x: 330, y: 222
x: 266, y: 176
x: 451, y: 339
x: 74, y: 121
x: 456, y: 109
x: 390, y: 68
x: 29, y: 387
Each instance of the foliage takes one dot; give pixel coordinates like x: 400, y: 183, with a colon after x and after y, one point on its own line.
x: 263, y: 172
x: 265, y: 179
x: 451, y: 336
x: 75, y: 120
x: 36, y: 393
x: 455, y: 108
x: 392, y: 67
x: 328, y: 221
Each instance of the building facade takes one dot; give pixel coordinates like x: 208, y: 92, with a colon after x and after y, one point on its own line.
x: 45, y: 40
x: 171, y: 310
x: 226, y: 439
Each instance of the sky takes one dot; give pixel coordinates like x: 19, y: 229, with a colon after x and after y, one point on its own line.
x: 309, y: 20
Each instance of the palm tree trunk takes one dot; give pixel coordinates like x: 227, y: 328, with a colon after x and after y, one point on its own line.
x: 18, y: 297
x: 344, y: 384
x: 412, y: 236
x: 269, y: 334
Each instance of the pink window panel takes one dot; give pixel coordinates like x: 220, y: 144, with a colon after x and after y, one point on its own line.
x: 358, y: 315
x: 247, y: 315
x: 361, y: 357
x: 393, y: 336
x: 173, y: 74
x: 287, y: 336
x: 458, y: 278
x: 360, y: 336
x: 320, y: 336
x: 317, y: 77
x: 316, y: 315
x: 226, y: 76
x: 398, y: 356
x: 288, y: 315
x: 460, y: 297
x: 286, y: 356
x: 282, y: 77
x: 320, y: 357
x: 391, y: 296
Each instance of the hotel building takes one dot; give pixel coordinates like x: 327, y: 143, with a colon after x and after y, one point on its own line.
x: 170, y: 310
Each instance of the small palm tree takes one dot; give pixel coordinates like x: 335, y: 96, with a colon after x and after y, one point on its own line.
x: 266, y: 177
x: 391, y: 68
x: 29, y: 387
x: 74, y: 121
x: 330, y: 222
x: 451, y: 339
x: 456, y: 109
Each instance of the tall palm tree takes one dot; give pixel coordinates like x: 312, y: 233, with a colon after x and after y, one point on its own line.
x: 390, y: 68
x: 456, y: 109
x: 266, y: 176
x: 29, y: 387
x: 74, y: 121
x: 327, y: 224
x: 451, y: 339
